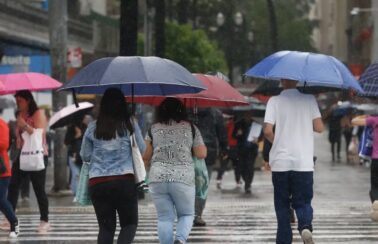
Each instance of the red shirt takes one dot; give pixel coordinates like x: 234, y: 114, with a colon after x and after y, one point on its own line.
x: 4, y: 145
x: 230, y: 128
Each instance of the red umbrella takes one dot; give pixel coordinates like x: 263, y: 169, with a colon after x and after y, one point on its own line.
x: 218, y: 94
x: 11, y: 83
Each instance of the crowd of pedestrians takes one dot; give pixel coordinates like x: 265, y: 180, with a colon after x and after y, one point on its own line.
x: 168, y: 148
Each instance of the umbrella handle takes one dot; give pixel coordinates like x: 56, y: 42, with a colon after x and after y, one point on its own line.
x: 75, y: 98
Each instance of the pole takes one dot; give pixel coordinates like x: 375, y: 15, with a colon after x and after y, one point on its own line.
x: 58, y: 52
x: 374, y: 49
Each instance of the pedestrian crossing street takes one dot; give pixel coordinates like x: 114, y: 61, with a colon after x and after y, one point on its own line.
x: 227, y: 222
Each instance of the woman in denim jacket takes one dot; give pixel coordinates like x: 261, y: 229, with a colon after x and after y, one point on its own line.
x: 106, y: 146
x: 170, y: 145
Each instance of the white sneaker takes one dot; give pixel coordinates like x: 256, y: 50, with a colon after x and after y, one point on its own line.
x: 43, y: 227
x: 374, y: 215
x: 374, y: 206
x: 307, y: 236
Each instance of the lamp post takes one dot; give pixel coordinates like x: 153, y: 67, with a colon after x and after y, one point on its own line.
x: 230, y: 39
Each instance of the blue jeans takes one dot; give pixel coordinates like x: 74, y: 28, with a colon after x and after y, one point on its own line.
x: 75, y: 174
x: 5, y: 206
x: 168, y: 197
x: 296, y: 189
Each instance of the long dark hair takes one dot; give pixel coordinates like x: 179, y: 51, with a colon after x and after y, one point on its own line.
x: 113, y: 118
x: 171, y: 109
x: 26, y: 94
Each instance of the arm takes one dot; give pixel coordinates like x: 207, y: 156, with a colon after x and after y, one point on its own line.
x: 147, y: 154
x: 318, y: 125
x: 268, y: 132
x: 200, y: 151
x: 4, y: 138
x: 359, y: 120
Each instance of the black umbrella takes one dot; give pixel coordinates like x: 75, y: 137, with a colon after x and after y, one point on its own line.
x: 6, y: 103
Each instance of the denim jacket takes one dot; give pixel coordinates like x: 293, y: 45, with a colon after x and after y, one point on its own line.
x: 109, y: 157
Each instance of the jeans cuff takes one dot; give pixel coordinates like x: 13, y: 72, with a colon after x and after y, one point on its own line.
x: 309, y: 227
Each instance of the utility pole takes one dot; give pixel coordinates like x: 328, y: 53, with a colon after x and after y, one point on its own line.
x: 374, y: 49
x: 58, y: 52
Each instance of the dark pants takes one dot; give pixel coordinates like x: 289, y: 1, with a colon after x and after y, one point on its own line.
x: 298, y: 186
x: 234, y: 158
x: 210, y: 161
x: 374, y: 180
x: 110, y: 198
x: 247, y: 164
x: 5, y: 206
x: 38, y: 180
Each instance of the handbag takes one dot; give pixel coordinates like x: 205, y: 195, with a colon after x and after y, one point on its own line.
x: 31, y: 158
x: 201, y: 178
x: 366, y: 143
x: 82, y: 192
x: 138, y: 165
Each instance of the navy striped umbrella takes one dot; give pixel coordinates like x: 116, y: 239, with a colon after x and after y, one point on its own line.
x: 369, y: 81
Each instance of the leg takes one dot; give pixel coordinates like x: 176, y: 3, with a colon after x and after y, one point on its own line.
x: 38, y: 180
x: 127, y: 208
x: 333, y: 151
x: 236, y: 163
x: 103, y: 203
x: 282, y: 194
x: 75, y: 174
x: 5, y: 206
x: 183, y: 198
x: 302, y: 188
x: 165, y: 211
x: 25, y: 187
x: 374, y: 180
x: 15, y: 182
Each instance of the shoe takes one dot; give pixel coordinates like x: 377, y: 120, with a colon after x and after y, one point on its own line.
x: 306, y: 235
x: 374, y: 206
x: 5, y: 225
x: 43, y: 227
x: 292, y: 216
x: 13, y: 234
x: 219, y: 184
x: 15, y: 229
x: 198, y: 221
x: 25, y: 199
x: 248, y: 191
x: 178, y: 242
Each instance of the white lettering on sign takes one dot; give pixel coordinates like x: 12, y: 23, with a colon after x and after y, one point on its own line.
x: 15, y: 60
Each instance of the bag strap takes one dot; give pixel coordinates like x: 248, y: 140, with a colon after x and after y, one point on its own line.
x: 193, y: 130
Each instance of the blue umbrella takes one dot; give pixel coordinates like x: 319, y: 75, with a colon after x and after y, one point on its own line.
x: 369, y: 81
x: 308, y: 68
x: 134, y: 76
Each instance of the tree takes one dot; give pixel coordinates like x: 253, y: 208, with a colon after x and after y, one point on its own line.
x: 193, y: 49
x: 128, y: 28
x: 160, y: 28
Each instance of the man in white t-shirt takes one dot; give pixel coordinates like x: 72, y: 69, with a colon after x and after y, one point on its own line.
x: 295, y: 117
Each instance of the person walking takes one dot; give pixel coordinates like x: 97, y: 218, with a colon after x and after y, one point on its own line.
x: 111, y: 175
x: 248, y: 133
x: 210, y: 123
x: 372, y: 121
x: 295, y: 117
x: 30, y: 117
x: 171, y: 143
x: 5, y: 176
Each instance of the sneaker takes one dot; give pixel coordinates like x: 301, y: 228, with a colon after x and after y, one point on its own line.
x: 43, y: 227
x: 13, y: 234
x: 198, y: 221
x: 374, y: 206
x: 374, y: 216
x: 219, y: 184
x: 5, y: 225
x: 307, y: 236
x: 248, y: 191
x: 178, y: 242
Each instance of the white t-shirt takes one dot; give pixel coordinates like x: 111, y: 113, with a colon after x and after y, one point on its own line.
x: 293, y: 147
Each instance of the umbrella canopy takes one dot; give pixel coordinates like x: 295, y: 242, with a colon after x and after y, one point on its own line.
x: 308, y: 68
x: 134, y: 75
x: 7, y: 103
x: 218, y: 94
x: 369, y: 81
x: 67, y: 114
x: 11, y: 83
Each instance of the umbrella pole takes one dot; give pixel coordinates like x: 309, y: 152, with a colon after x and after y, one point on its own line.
x: 132, y: 100
x: 75, y: 98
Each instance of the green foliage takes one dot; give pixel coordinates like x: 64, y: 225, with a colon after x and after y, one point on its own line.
x: 193, y: 49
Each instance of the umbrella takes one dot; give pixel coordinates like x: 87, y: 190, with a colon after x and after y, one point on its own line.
x: 369, y: 81
x: 310, y: 69
x: 65, y: 116
x: 7, y: 103
x: 273, y: 88
x: 134, y: 75
x: 11, y: 83
x: 218, y: 94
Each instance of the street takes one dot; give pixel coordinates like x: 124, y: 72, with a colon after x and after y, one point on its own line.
x: 341, y: 211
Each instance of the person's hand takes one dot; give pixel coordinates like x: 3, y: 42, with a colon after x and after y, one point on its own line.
x: 78, y: 132
x: 239, y: 132
x: 267, y: 166
x: 21, y: 123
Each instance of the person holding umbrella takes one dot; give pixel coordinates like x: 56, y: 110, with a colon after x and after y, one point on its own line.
x: 372, y: 121
x: 295, y: 117
x: 111, y: 175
